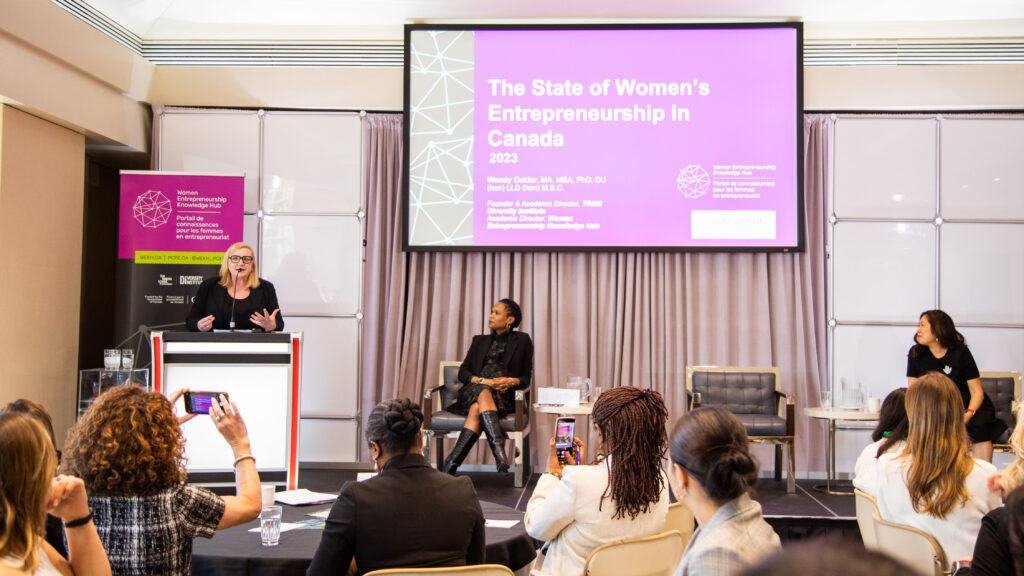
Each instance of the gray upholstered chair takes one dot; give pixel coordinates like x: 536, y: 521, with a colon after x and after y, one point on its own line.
x: 439, y: 423
x: 754, y: 396
x: 1004, y: 390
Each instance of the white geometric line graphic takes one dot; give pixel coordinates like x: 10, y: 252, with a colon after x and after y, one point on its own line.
x: 441, y: 131
x: 152, y: 209
x: 693, y: 181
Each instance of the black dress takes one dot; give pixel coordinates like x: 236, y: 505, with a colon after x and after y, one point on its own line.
x: 958, y: 364
x: 212, y: 298
x: 508, y: 355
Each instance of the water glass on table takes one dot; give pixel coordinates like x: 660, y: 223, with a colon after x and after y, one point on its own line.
x: 127, y: 359
x: 111, y: 359
x: 270, y: 525
x: 826, y: 400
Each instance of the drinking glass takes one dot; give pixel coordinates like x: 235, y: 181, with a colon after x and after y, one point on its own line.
x: 112, y: 359
x: 270, y: 525
x: 127, y: 359
x: 826, y: 400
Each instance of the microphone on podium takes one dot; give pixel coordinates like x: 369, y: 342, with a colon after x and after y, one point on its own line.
x: 234, y: 282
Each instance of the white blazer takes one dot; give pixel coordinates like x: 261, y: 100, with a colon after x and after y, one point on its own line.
x: 565, y: 512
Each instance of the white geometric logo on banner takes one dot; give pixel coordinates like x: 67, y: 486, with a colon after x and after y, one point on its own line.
x: 152, y: 209
x: 693, y: 181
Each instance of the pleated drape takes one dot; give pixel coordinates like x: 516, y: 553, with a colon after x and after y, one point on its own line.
x: 621, y: 318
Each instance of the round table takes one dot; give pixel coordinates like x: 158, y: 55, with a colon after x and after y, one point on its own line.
x: 584, y: 409
x: 237, y: 551
x: 831, y: 416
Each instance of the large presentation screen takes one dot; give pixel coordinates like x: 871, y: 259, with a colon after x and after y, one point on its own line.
x: 603, y: 137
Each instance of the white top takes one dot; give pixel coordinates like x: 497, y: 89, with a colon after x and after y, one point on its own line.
x: 956, y: 532
x: 566, y: 513
x: 864, y: 471
x: 45, y: 567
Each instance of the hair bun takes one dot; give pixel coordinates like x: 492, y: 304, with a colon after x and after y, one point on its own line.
x: 730, y: 474
x: 403, y: 417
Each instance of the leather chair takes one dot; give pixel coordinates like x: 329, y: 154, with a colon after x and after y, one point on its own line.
x: 754, y: 396
x: 1004, y: 390
x: 439, y: 423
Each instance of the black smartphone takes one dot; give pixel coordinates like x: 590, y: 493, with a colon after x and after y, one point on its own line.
x: 199, y: 402
x: 565, y: 431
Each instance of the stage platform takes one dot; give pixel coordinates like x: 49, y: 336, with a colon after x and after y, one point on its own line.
x: 805, y: 514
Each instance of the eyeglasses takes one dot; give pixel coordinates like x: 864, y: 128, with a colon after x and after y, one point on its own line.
x: 237, y: 259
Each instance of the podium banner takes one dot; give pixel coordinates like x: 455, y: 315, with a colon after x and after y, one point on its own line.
x: 173, y: 230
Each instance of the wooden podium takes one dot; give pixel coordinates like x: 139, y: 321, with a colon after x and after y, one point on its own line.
x: 261, y: 373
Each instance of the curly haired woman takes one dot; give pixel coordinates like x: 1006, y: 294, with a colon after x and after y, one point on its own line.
x: 625, y: 495
x: 129, y: 450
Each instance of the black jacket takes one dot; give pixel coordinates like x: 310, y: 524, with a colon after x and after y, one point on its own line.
x: 518, y: 358
x: 212, y: 298
x: 409, y: 515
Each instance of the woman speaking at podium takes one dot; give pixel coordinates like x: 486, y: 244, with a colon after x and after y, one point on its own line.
x: 239, y: 299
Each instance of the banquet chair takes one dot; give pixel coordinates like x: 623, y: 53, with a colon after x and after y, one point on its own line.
x: 915, y: 548
x: 439, y: 423
x: 866, y: 507
x: 656, y: 555
x: 753, y: 394
x: 476, y: 570
x: 681, y: 520
x: 1003, y: 388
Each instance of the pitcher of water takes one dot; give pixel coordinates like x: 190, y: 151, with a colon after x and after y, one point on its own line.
x: 584, y: 385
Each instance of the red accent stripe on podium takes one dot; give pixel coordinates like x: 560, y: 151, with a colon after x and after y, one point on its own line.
x: 158, y: 361
x: 293, y: 464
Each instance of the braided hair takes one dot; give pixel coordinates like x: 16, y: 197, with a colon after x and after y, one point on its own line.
x: 632, y: 422
x: 513, y: 310
x: 395, y: 425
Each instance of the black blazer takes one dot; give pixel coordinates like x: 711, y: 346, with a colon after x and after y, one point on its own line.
x: 518, y: 358
x: 408, y: 516
x: 212, y: 298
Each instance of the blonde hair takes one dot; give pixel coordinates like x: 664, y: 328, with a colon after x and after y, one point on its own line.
x: 937, y: 445
x: 1014, y: 474
x: 225, y: 270
x: 28, y: 463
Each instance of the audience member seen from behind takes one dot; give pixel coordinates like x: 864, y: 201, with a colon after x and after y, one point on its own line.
x: 711, y: 473
x: 992, y: 551
x: 827, y: 557
x: 29, y: 491
x: 576, y: 508
x: 890, y: 435
x: 54, y: 526
x: 497, y: 364
x: 129, y: 449
x: 934, y: 485
x: 409, y: 515
x: 940, y: 348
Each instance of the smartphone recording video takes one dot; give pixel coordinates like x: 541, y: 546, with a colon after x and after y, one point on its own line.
x: 565, y: 431
x: 200, y: 402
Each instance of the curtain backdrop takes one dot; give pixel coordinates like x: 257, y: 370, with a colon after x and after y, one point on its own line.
x: 621, y: 318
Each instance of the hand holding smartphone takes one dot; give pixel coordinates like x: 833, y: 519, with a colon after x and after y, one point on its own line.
x: 199, y: 402
x: 565, y: 432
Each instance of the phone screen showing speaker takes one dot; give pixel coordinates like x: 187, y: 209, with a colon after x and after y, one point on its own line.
x: 565, y: 429
x: 200, y: 402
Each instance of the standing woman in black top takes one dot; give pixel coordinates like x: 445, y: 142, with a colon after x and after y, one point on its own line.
x: 496, y: 365
x: 940, y: 348
x: 239, y: 293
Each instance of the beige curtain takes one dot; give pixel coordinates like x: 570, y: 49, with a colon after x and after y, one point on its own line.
x: 620, y: 318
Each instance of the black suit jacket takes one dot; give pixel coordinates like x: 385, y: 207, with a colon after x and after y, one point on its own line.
x: 518, y: 358
x: 212, y: 298
x: 408, y: 516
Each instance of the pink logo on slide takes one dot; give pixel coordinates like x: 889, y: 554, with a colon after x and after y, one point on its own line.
x: 152, y: 209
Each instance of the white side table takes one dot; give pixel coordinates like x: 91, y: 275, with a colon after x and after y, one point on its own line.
x: 584, y: 409
x: 832, y: 485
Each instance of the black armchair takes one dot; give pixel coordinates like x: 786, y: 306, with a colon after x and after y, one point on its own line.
x: 753, y: 395
x: 439, y: 423
x: 1004, y: 390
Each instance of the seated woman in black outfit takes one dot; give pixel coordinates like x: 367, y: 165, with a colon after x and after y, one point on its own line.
x: 409, y: 515
x: 938, y: 347
x: 239, y: 294
x: 496, y: 365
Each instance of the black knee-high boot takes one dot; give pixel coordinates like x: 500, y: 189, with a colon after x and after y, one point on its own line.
x: 462, y: 447
x: 496, y: 438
